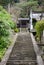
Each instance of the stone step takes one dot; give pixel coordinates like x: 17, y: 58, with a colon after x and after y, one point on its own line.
x: 22, y: 62
x: 23, y: 52
x: 24, y: 29
x: 22, y: 58
x: 25, y: 42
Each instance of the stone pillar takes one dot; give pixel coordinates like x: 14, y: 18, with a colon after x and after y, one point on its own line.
x: 31, y: 26
x: 43, y: 36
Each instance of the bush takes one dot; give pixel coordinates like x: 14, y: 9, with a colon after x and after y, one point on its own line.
x: 6, y: 25
x: 16, y: 30
x: 4, y: 42
x: 12, y: 24
x: 4, y: 28
x: 5, y: 17
x: 39, y: 27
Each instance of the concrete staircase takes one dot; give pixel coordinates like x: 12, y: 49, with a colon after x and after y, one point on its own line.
x: 23, y: 52
x: 24, y: 29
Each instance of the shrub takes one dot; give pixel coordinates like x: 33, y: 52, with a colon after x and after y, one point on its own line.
x: 6, y: 26
x: 5, y: 17
x: 39, y: 27
x: 4, y: 42
x: 16, y: 30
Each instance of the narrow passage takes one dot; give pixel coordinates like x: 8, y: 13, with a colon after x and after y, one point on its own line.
x: 23, y: 52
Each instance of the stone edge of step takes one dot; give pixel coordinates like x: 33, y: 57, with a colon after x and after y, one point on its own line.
x: 36, y: 48
x: 8, y: 52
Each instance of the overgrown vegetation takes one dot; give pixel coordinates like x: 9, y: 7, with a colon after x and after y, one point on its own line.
x: 39, y: 29
x: 26, y: 6
x: 16, y: 30
x: 6, y: 27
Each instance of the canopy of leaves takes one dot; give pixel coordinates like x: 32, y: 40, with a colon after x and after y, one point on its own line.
x: 40, y: 2
x: 26, y: 7
x: 5, y: 2
x: 25, y: 4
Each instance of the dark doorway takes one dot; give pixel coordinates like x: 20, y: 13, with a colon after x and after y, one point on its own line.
x: 34, y: 22
x: 23, y: 22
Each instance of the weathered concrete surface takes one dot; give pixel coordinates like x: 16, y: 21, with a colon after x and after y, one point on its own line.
x: 23, y: 52
x: 37, y: 50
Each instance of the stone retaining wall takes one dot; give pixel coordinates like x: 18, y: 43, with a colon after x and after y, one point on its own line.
x: 37, y: 51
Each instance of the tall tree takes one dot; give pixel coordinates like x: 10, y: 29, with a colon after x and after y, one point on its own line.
x: 26, y: 6
x: 41, y: 2
x: 6, y: 4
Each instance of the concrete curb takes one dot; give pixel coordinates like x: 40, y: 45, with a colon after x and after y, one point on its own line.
x: 37, y: 51
x: 8, y: 52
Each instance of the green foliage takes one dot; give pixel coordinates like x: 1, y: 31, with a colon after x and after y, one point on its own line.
x: 6, y: 25
x: 25, y: 4
x: 6, y: 18
x: 4, y: 29
x: 40, y: 2
x: 5, y: 2
x: 39, y: 27
x: 23, y: 14
x: 16, y: 30
x: 12, y: 24
x: 26, y: 7
x: 34, y: 4
x: 2, y: 51
x: 5, y: 22
x: 4, y: 42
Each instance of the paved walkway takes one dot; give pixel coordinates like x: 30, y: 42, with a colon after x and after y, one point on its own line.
x: 23, y: 51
